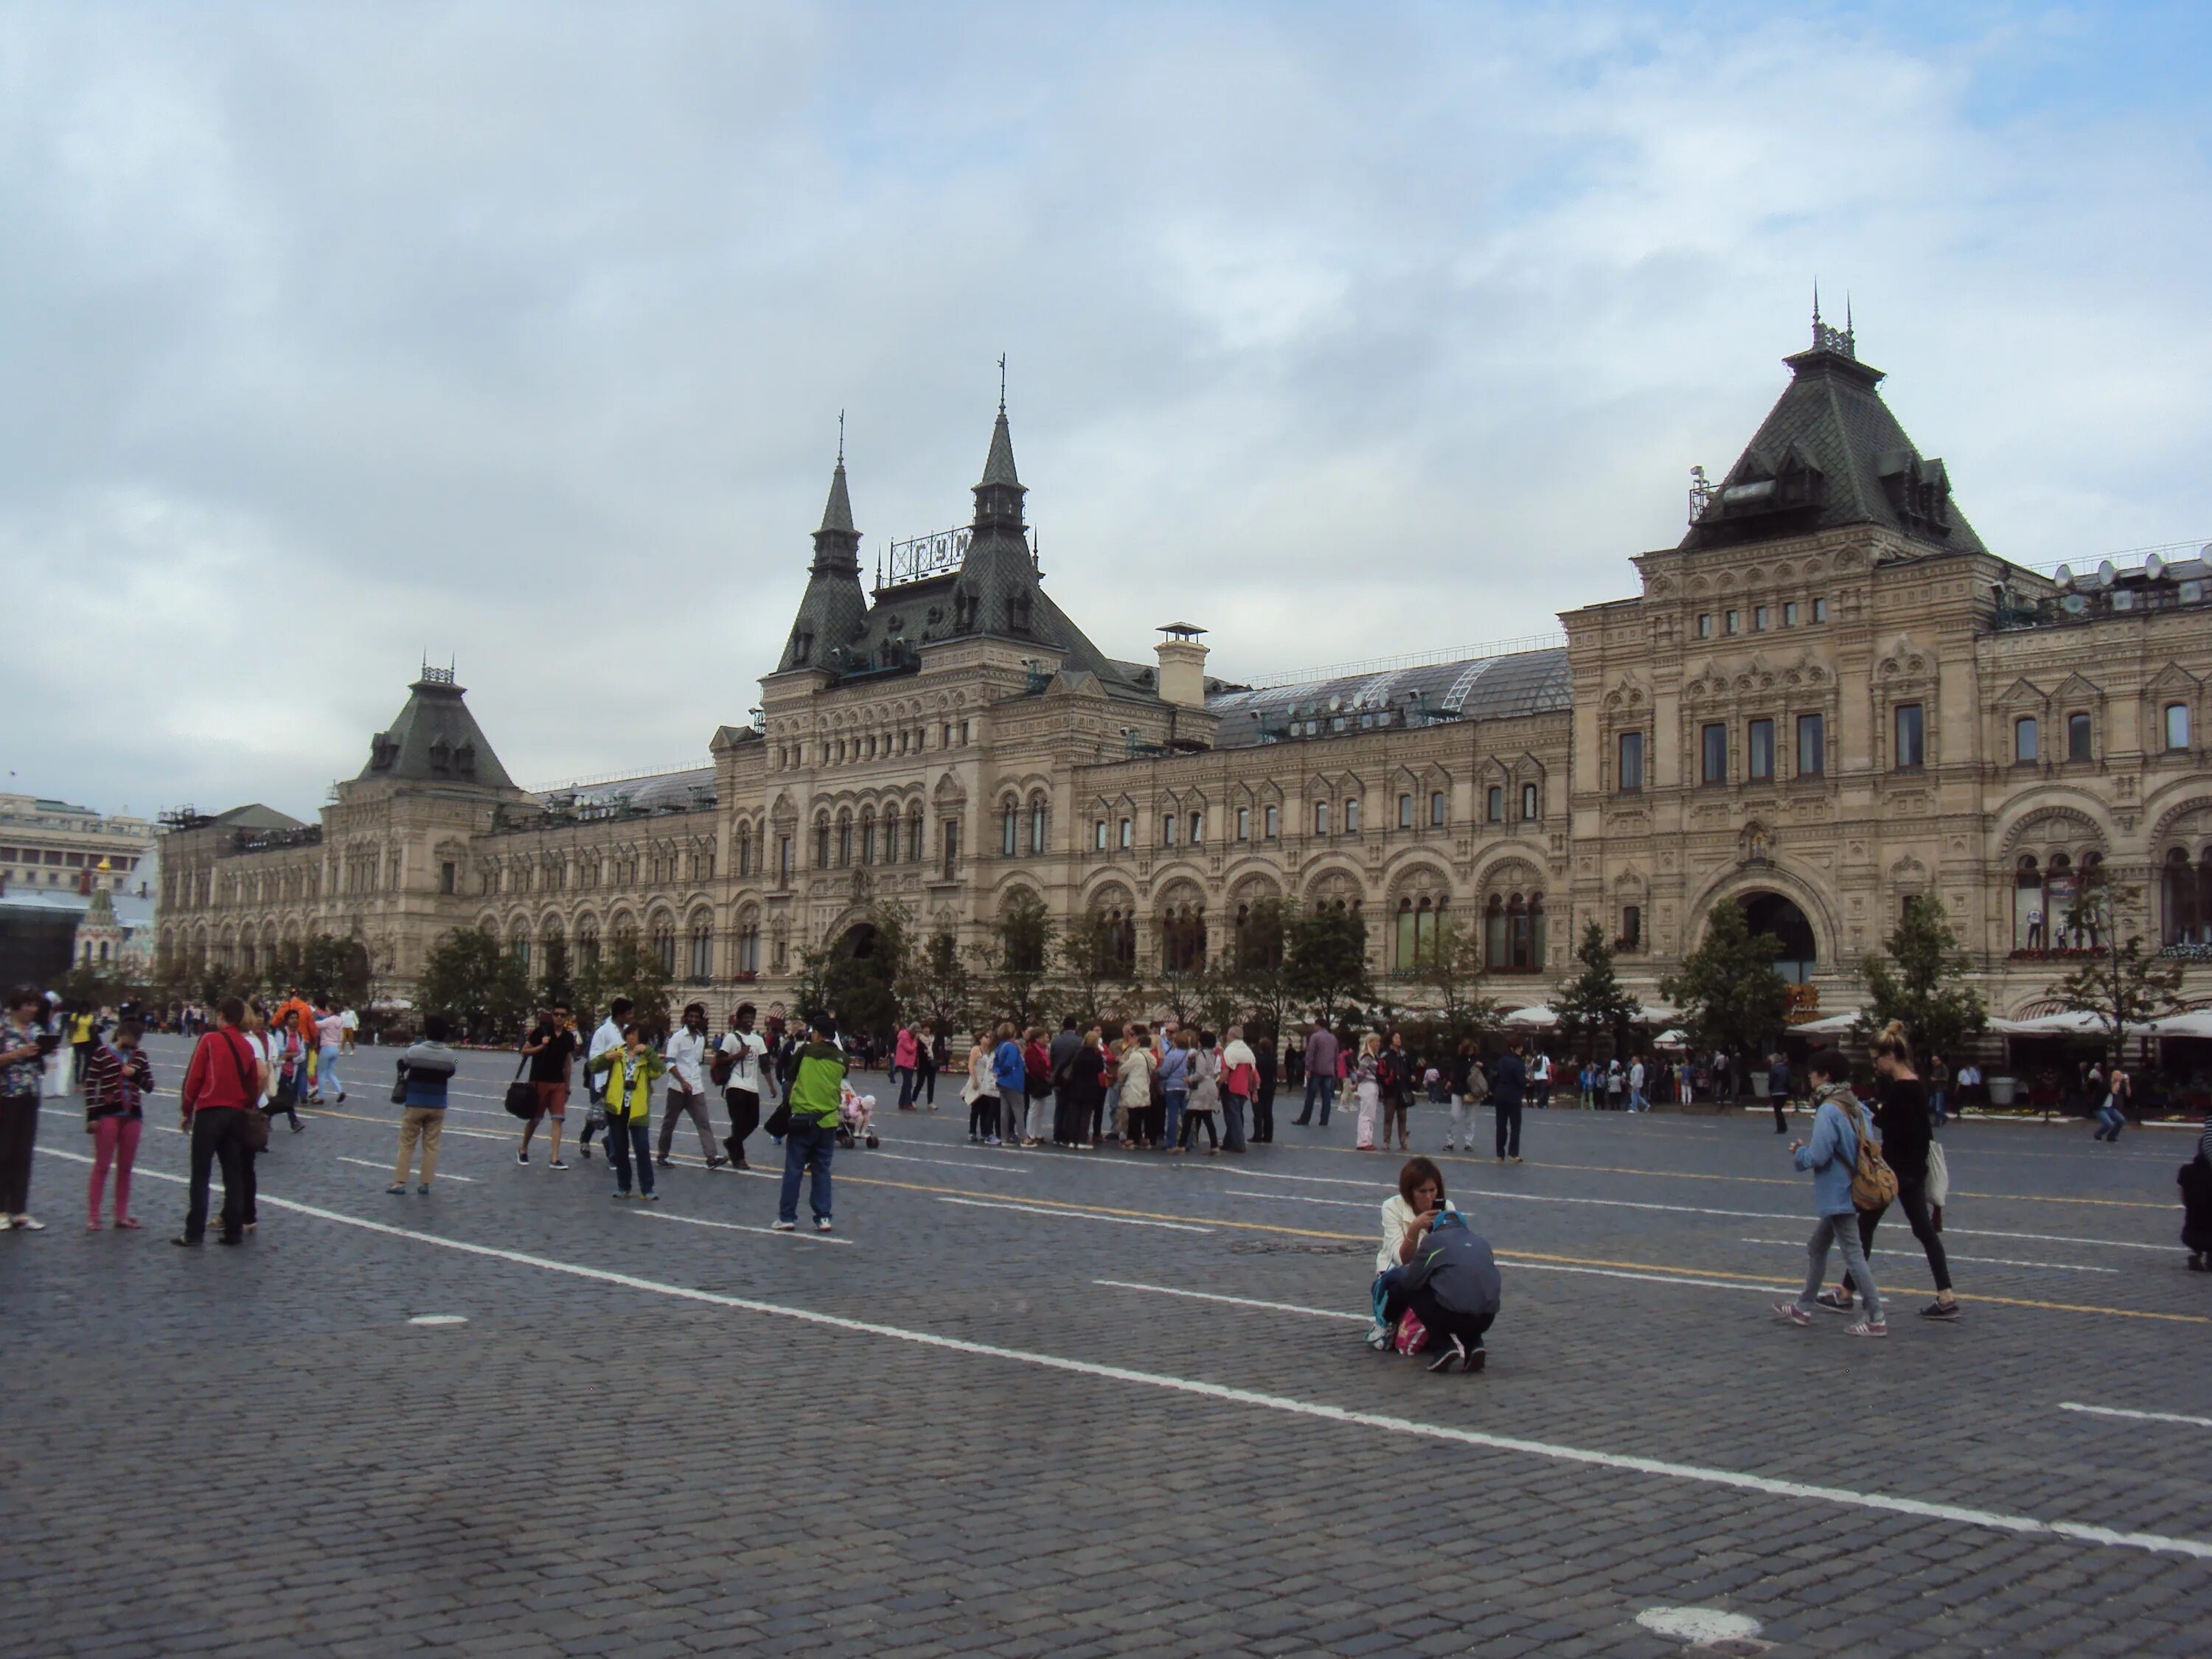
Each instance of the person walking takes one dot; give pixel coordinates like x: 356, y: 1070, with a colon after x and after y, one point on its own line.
x: 905, y: 1057
x: 1903, y: 1121
x: 686, y: 1054
x: 25, y: 1046
x: 630, y: 1071
x: 810, y: 1144
x: 608, y: 1036
x: 349, y: 1026
x: 2112, y: 1115
x: 330, y: 1041
x: 117, y: 1080
x: 1539, y: 1081
x: 223, y: 1081
x: 1321, y: 1075
x: 1509, y: 1082
x: 2195, y: 1180
x: 1638, y: 1072
x: 1778, y: 1092
x: 427, y: 1068
x: 1202, y: 1091
x: 1470, y: 1088
x: 549, y: 1046
x: 1831, y: 1156
x: 1240, y: 1083
x: 1939, y: 1088
x: 1367, y: 1087
x: 745, y: 1056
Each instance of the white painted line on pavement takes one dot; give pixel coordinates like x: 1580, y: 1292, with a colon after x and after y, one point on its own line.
x: 1234, y: 1301
x: 439, y: 1319
x: 1983, y: 1261
x: 1961, y: 1514
x: 949, y: 1162
x: 371, y: 1163
x: 2145, y: 1416
x: 740, y: 1227
x: 1072, y: 1215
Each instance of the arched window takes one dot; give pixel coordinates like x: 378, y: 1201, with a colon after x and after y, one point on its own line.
x: 748, y: 944
x: 868, y: 836
x: 1528, y: 802
x: 1182, y: 938
x: 821, y: 842
x: 1009, y: 827
x: 891, y: 836
x: 844, y: 839
x: 664, y: 946
x: 587, y: 944
x: 914, y: 836
x: 1495, y: 944
x: 702, y: 950
x: 1036, y: 823
x: 744, y: 850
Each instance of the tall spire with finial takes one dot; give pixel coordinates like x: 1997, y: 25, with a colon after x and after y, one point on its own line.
x: 833, y: 607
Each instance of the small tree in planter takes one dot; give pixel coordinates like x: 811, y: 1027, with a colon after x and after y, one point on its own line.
x: 1731, y: 997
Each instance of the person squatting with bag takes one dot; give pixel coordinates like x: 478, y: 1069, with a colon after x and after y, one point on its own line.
x: 1848, y: 1173
x: 1437, y: 1283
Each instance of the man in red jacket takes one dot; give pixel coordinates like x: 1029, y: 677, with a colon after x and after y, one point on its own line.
x: 225, y: 1081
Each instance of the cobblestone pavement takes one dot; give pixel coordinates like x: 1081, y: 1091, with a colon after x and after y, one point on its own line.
x: 979, y: 1418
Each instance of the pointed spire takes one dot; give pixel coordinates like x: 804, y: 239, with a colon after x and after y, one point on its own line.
x: 998, y: 465
x: 837, y: 511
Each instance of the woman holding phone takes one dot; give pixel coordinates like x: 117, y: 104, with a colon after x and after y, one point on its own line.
x: 25, y: 1044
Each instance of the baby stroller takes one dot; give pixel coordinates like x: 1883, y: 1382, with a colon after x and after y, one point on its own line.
x: 856, y: 1118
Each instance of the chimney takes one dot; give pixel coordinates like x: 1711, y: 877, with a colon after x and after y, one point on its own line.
x: 1183, y: 665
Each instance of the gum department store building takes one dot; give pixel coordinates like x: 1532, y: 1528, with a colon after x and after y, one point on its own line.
x: 1829, y: 697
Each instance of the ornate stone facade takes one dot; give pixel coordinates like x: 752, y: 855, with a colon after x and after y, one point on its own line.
x: 1830, y: 697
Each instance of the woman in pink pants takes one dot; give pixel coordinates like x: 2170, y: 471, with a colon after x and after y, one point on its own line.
x: 117, y: 1080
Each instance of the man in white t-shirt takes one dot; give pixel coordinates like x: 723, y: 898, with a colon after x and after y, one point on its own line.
x: 609, y: 1036
x: 686, y: 1054
x: 747, y: 1056
x: 348, y: 1027
x: 1637, y: 1102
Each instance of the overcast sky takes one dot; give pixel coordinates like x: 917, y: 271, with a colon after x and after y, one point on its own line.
x: 334, y: 338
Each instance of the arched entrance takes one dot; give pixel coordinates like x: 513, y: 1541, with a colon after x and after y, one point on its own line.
x: 858, y: 942
x: 1770, y: 913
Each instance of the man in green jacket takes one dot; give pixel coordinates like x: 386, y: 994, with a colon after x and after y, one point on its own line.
x: 817, y: 1079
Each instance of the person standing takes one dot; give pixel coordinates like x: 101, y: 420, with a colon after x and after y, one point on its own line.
x: 2195, y: 1180
x: 1939, y: 1088
x: 746, y: 1053
x: 1471, y: 1089
x: 1321, y: 1075
x: 686, y: 1054
x: 1902, y: 1118
x: 1066, y: 1045
x: 1134, y: 1073
x: 1240, y: 1083
x: 1086, y: 1081
x: 608, y: 1036
x: 1202, y: 1091
x: 117, y: 1080
x: 330, y: 1038
x: 631, y: 1070
x: 349, y: 1029
x: 1778, y: 1092
x: 549, y: 1046
x: 905, y: 1058
x: 83, y: 1027
x: 1263, y: 1098
x: 982, y: 1093
x: 930, y: 1054
x: 24, y: 1046
x: 817, y: 1079
x: 1508, y: 1083
x: 1539, y: 1080
x: 1036, y: 1087
x: 427, y: 1067
x: 224, y: 1080
x: 1172, y: 1084
x: 1638, y: 1072
x: 2112, y: 1117
x: 1830, y: 1156
x: 1367, y: 1088
x: 1615, y: 1077
x: 1396, y: 1076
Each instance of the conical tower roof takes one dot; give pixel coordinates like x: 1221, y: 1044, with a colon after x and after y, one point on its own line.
x: 436, y: 739
x: 834, y: 609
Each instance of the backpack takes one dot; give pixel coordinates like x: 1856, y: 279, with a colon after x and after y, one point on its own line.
x: 719, y: 1067
x: 1874, y: 1183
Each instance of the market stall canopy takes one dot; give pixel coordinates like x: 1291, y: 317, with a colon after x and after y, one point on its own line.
x: 2194, y: 1023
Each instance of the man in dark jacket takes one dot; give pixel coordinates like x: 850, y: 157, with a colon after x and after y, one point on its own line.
x: 1451, y: 1284
x: 1509, y: 1080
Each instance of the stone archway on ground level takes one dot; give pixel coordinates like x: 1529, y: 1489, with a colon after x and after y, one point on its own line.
x: 1768, y: 912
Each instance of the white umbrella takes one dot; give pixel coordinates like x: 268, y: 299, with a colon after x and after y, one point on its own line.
x: 2069, y: 1022
x: 1832, y: 1025
x: 2196, y: 1023
x: 1535, y: 1018
x: 1671, y: 1040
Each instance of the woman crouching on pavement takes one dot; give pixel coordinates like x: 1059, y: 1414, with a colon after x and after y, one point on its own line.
x: 1432, y: 1267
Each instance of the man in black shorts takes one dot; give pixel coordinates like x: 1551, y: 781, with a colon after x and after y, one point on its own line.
x: 549, y: 1046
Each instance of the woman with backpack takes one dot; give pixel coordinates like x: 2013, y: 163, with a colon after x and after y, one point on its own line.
x: 1832, y: 1157
x: 1905, y: 1122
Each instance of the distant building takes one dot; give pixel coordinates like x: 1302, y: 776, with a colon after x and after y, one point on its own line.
x: 54, y: 857
x: 1829, y: 697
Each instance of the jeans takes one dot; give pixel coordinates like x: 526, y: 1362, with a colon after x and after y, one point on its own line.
x: 1318, y: 1088
x: 218, y: 1136
x: 680, y: 1102
x: 427, y: 1125
x: 2109, y: 1118
x: 1460, y: 1104
x: 905, y: 1075
x: 1173, y: 1099
x: 1232, y: 1122
x: 115, y: 1141
x: 326, y: 1075
x: 1444, y: 1322
x: 628, y: 1138
x: 1935, y: 1104
x: 1509, y: 1128
x: 744, y: 1118
x: 1371, y: 1101
x: 1781, y: 1114
x: 808, y: 1146
x: 1843, y: 1231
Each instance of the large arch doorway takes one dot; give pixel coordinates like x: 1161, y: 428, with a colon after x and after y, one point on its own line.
x: 858, y: 942
x: 1770, y: 913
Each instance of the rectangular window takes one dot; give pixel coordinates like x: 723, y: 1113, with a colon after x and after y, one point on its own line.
x: 1273, y: 818
x: 1715, y: 748
x: 1631, y: 771
x: 1437, y: 815
x: 913, y: 839
x: 2176, y: 725
x: 1405, y: 812
x: 967, y: 731
x: 1099, y: 833
x: 1126, y: 835
x: 1632, y: 926
x: 951, y: 848
x: 1197, y: 828
x: 1729, y: 623
x: 1320, y: 817
x: 1911, y: 736
x: 1704, y: 624
x: 1008, y: 829
x: 1789, y: 613
x: 1812, y: 745
x: 446, y: 875
x: 1351, y: 817
x: 2023, y: 739
x: 1759, y: 616
x: 1758, y: 750
x: 1494, y: 804
x: 1168, y: 829
x: 1243, y: 823
x: 1819, y: 610
x: 1530, y: 807
x: 783, y: 859
x: 2078, y: 737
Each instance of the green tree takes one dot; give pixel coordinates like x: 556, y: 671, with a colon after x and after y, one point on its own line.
x: 1731, y: 997
x: 940, y: 984
x: 2125, y: 985
x: 1263, y: 967
x: 1594, y: 1001
x: 1327, y: 958
x: 1013, y: 965
x: 475, y: 983
x: 625, y: 967
x: 1920, y: 982
x: 858, y: 977
x: 1452, y: 968
x: 555, y: 985
x: 333, y: 972
x: 1093, y: 980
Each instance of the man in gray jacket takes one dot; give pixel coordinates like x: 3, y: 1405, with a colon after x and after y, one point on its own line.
x: 1321, y: 1074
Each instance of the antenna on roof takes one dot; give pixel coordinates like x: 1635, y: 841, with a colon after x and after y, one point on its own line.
x: 841, y: 437
x: 1816, y: 308
x: 1002, y: 383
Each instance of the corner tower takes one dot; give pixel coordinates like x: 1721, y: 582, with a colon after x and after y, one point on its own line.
x: 834, y: 609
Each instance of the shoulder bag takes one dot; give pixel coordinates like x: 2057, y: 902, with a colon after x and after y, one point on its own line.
x: 257, y: 1120
x: 1874, y: 1183
x: 399, y: 1084
x: 522, y: 1098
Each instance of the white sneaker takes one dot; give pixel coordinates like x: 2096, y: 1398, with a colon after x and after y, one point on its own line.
x: 821, y: 1223
x: 786, y: 1227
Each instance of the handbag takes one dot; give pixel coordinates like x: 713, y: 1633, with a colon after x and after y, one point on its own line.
x: 522, y: 1098
x: 399, y: 1085
x: 1874, y: 1183
x: 779, y: 1121
x: 1939, y: 1175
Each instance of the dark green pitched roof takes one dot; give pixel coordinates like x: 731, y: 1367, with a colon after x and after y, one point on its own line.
x: 436, y: 739
x: 1830, y: 453
x: 833, y: 609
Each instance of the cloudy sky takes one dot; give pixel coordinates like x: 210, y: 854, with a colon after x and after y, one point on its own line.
x: 334, y: 338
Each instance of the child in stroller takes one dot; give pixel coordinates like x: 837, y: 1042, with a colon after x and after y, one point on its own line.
x: 856, y: 1117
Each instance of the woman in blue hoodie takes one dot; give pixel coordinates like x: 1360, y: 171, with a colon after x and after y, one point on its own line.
x: 1831, y: 1155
